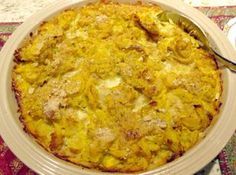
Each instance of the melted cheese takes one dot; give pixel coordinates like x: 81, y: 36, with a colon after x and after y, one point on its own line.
x: 140, y: 102
x: 112, y: 82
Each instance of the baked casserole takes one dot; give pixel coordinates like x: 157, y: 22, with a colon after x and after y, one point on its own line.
x: 111, y: 87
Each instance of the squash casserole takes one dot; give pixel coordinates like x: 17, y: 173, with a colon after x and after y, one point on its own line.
x: 111, y: 87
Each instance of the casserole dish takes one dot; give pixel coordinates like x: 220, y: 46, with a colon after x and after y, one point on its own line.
x: 180, y: 166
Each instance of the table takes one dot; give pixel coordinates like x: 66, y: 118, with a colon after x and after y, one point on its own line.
x: 18, y: 10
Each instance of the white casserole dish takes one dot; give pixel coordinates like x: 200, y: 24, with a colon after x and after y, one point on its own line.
x: 34, y: 156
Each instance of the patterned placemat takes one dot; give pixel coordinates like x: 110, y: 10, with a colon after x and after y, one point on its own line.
x: 10, y: 165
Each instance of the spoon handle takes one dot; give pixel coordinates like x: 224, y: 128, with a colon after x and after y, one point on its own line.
x: 228, y: 63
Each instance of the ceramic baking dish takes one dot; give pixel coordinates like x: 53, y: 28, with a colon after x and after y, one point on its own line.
x: 34, y: 156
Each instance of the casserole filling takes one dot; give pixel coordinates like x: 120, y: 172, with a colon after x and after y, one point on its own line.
x: 108, y: 86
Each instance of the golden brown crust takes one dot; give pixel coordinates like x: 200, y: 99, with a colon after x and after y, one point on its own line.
x: 17, y: 58
x: 54, y: 101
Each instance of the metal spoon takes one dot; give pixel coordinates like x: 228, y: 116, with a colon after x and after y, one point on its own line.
x: 195, y: 30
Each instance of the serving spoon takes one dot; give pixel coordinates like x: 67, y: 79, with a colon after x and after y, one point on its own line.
x: 195, y: 30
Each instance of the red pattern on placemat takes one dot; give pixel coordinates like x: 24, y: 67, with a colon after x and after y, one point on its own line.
x: 1, y: 43
x: 10, y: 164
x: 221, y: 20
x: 223, y: 164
